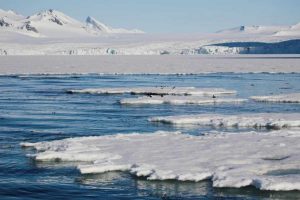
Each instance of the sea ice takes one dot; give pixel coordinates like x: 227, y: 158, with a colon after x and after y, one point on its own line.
x: 161, y: 90
x: 146, y: 64
x: 179, y: 100
x: 256, y: 120
x: 267, y: 161
x: 281, y: 98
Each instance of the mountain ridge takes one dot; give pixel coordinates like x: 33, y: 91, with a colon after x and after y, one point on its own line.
x: 51, y: 32
x: 268, y: 30
x: 53, y: 23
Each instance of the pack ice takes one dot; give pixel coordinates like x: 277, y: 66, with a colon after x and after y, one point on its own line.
x: 160, y: 90
x: 281, y: 98
x: 256, y: 120
x: 267, y: 161
x: 180, y: 100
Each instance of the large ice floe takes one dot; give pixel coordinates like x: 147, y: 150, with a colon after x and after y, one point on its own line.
x: 282, y: 98
x: 255, y: 120
x: 179, y: 100
x: 161, y: 90
x: 267, y: 161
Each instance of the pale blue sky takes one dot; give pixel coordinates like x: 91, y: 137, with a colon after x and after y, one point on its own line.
x: 166, y: 16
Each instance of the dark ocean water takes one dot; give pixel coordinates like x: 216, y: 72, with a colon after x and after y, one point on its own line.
x: 37, y: 108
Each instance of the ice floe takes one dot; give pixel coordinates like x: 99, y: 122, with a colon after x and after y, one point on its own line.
x: 282, y: 98
x: 256, y: 120
x: 267, y: 161
x: 162, y: 90
x: 179, y: 100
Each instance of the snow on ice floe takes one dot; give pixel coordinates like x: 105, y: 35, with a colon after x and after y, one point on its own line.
x: 158, y: 91
x: 228, y: 159
x: 179, y: 100
x: 282, y: 98
x: 256, y: 120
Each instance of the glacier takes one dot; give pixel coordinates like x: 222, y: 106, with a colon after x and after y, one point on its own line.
x: 51, y: 32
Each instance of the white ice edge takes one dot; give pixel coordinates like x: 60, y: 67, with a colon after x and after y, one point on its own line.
x: 180, y: 100
x: 159, y: 90
x: 281, y: 98
x: 255, y: 120
x: 228, y: 159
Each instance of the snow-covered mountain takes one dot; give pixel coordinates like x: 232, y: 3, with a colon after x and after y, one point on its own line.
x: 254, y: 30
x: 51, y: 32
x: 52, y: 23
x: 10, y: 14
x: 13, y: 22
x: 95, y: 26
x: 264, y: 30
x: 291, y: 31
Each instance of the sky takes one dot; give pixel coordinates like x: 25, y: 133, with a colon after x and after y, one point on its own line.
x: 169, y: 16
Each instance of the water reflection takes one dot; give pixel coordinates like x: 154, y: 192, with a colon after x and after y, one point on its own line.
x: 100, y: 179
x: 173, y: 188
x: 178, y: 189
